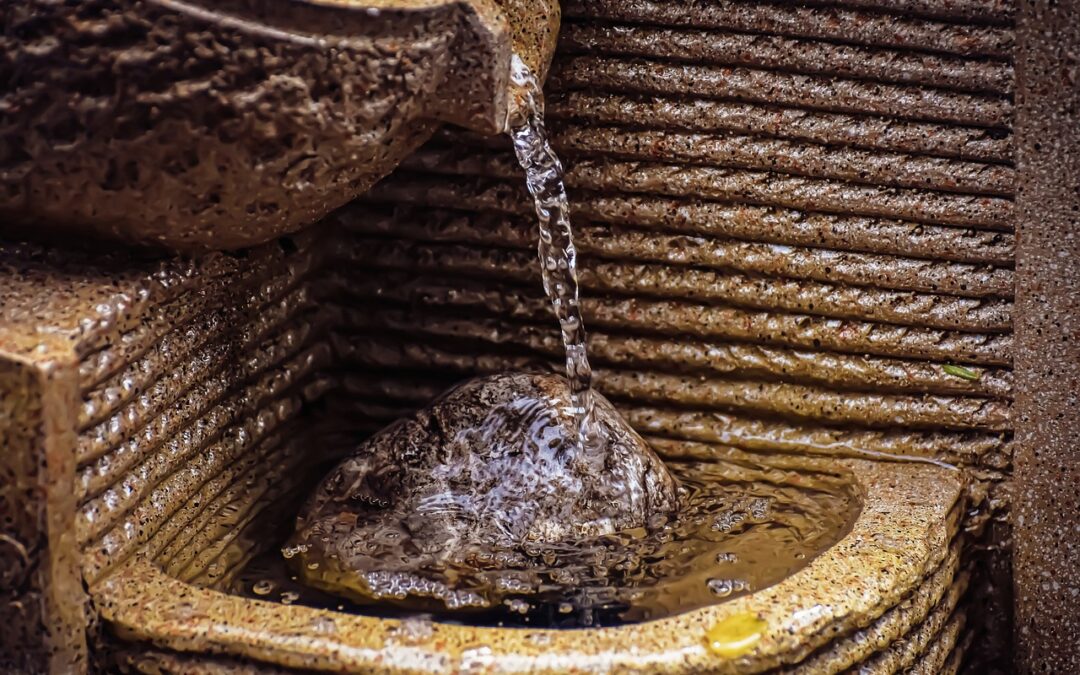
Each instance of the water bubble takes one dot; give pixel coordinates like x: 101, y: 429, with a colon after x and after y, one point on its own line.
x: 565, y: 608
x: 726, y: 521
x: 517, y: 605
x: 722, y: 588
x: 759, y: 508
x: 263, y: 587
x: 289, y: 597
x: 292, y: 551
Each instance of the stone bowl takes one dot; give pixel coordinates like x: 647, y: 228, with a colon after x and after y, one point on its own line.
x: 883, y: 597
x: 193, y: 125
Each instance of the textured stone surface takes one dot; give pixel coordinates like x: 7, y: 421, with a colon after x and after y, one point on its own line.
x: 883, y: 560
x: 219, y: 125
x: 169, y: 453
x: 180, y: 460
x: 482, y: 444
x: 491, y: 465
x: 1046, y: 522
x: 42, y: 600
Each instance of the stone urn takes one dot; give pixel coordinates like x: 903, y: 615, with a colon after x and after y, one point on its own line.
x: 191, y: 125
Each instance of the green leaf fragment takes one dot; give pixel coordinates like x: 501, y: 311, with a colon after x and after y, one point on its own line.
x: 961, y: 372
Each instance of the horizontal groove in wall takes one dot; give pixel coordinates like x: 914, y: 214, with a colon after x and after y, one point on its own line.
x: 755, y: 187
x: 198, y: 413
x: 264, y: 275
x: 998, y: 11
x: 490, y: 198
x: 790, y: 401
x: 675, y: 318
x: 215, y: 463
x: 228, y: 427
x: 776, y: 52
x: 246, y: 481
x: 908, y: 102
x: 178, y: 362
x: 576, y: 141
x: 858, y: 27
x: 768, y: 120
x: 607, y: 281
x: 251, y: 493
x: 616, y: 245
x: 795, y: 158
x: 841, y: 372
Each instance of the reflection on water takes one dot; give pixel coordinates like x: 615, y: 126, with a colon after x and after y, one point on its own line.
x: 740, y: 528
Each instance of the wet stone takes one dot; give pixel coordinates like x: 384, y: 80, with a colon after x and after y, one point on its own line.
x: 450, y: 505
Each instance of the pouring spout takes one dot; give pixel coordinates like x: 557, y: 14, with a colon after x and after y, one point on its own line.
x: 478, y: 93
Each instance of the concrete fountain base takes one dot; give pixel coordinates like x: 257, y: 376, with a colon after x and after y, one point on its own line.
x: 884, y: 598
x: 174, y: 402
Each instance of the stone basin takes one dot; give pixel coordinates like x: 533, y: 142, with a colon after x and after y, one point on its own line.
x: 894, y: 574
x: 204, y: 387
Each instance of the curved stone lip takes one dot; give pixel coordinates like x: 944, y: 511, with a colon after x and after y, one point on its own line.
x: 475, y: 94
x: 901, y: 536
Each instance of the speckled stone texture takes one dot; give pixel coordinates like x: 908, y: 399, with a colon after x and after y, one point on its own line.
x: 188, y: 424
x: 783, y: 244
x: 1046, y: 519
x: 893, y: 552
x: 214, y: 125
x: 41, y: 595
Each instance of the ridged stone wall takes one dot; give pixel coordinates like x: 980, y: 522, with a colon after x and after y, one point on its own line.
x: 794, y: 223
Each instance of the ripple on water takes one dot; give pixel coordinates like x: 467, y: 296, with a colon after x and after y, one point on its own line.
x: 775, y: 522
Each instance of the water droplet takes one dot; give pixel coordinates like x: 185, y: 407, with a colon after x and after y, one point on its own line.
x: 289, y: 597
x: 721, y: 588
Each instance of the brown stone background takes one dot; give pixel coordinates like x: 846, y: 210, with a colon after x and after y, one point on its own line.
x: 1046, y: 509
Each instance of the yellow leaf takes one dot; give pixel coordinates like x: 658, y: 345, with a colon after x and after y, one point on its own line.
x: 735, y: 635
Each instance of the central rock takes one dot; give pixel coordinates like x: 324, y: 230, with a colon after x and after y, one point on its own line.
x: 468, y: 484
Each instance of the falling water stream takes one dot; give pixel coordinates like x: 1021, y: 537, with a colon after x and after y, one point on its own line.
x: 558, y: 258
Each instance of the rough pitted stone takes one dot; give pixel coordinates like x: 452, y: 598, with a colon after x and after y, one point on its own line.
x: 220, y: 125
x: 494, y: 462
x: 1046, y: 520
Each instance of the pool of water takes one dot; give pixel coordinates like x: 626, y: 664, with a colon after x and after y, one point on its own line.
x: 740, y: 527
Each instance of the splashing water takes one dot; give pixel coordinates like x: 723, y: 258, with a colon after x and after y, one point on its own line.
x: 558, y: 258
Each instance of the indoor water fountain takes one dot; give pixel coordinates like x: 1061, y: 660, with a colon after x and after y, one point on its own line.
x: 827, y: 265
